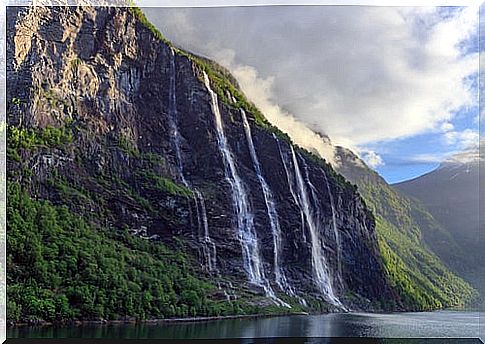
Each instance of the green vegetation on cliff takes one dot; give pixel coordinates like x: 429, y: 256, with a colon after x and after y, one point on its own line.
x: 63, y: 268
x: 421, y: 279
x: 415, y: 272
x: 29, y: 138
x: 163, y: 184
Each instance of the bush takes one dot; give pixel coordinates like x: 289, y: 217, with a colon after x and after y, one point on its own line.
x: 30, y: 138
x: 163, y: 184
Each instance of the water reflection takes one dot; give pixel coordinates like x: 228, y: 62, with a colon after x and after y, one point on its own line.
x: 429, y: 324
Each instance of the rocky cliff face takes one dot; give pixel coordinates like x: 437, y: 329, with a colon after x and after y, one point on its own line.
x: 138, y: 135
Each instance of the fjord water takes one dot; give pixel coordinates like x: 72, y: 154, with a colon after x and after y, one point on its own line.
x: 457, y: 324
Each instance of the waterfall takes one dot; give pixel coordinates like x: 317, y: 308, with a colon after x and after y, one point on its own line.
x: 208, y: 246
x: 314, y: 201
x: 289, y: 178
x: 313, y: 190
x: 335, y: 230
x: 246, y: 233
x: 172, y: 108
x: 280, y: 277
x: 245, y: 226
x: 319, y: 263
x: 226, y: 294
x: 334, y: 218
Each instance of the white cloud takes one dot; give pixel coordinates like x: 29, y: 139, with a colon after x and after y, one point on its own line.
x: 372, y: 159
x: 260, y: 92
x: 461, y: 139
x: 358, y: 74
x: 447, y: 126
x: 465, y: 157
x: 428, y: 158
x: 463, y: 154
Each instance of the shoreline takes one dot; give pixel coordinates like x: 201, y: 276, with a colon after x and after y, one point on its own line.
x: 132, y: 321
x: 162, y: 321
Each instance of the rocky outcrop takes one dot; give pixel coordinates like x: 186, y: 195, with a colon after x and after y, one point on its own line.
x: 141, y: 152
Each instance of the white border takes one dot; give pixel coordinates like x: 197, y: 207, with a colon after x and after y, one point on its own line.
x: 238, y: 3
x: 155, y: 3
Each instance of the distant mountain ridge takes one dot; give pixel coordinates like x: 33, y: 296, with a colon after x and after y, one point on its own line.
x: 451, y: 193
x: 402, y: 227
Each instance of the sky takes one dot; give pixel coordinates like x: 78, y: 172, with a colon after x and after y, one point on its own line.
x: 397, y: 85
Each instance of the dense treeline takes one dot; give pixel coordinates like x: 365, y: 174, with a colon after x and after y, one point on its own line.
x: 62, y: 268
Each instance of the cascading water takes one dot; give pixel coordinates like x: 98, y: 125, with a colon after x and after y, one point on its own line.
x: 313, y: 190
x: 172, y: 108
x: 334, y: 218
x: 319, y: 266
x: 208, y: 246
x: 280, y: 277
x: 314, y: 201
x: 319, y: 263
x: 289, y: 178
x: 226, y: 294
x: 320, y: 269
x: 245, y: 226
x: 244, y: 216
x: 335, y: 230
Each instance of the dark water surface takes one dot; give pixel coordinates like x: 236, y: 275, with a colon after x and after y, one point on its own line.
x: 397, y: 325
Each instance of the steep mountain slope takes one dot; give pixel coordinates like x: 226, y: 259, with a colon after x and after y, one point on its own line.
x: 451, y: 194
x: 408, y: 237
x: 112, y: 131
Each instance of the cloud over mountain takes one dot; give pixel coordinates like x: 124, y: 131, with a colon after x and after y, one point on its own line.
x: 361, y: 75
